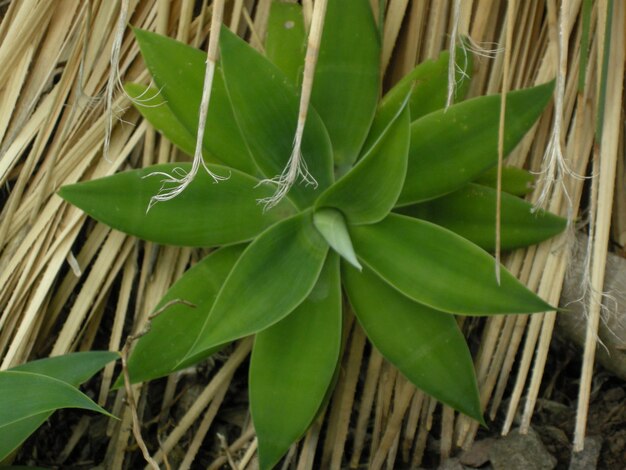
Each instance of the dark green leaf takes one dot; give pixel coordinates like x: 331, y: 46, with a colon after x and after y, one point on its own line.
x: 273, y: 276
x: 204, y: 214
x: 178, y: 71
x: 292, y: 366
x: 471, y: 213
x: 266, y: 105
x: 332, y: 225
x: 514, y: 180
x: 450, y: 148
x: 285, y: 44
x: 28, y: 399
x: 429, y: 80
x: 440, y: 269
x: 368, y: 192
x: 347, y: 76
x: 424, y: 344
x: 162, y: 350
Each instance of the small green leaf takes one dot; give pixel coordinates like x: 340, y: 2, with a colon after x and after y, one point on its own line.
x: 471, y: 213
x: 451, y: 148
x: 424, y: 344
x: 292, y: 366
x: 266, y: 106
x: 368, y: 192
x: 178, y: 71
x: 332, y: 225
x: 285, y: 44
x: 515, y: 180
x: 440, y: 269
x: 162, y: 350
x: 28, y: 399
x: 429, y: 80
x: 275, y: 273
x: 347, y: 76
x: 204, y: 214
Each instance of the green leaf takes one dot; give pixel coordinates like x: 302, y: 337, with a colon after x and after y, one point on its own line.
x: 162, y: 350
x: 178, y: 71
x: 28, y: 399
x: 515, y: 180
x: 471, y: 213
x: 440, y: 269
x: 451, y: 148
x: 368, y: 192
x: 285, y: 44
x: 424, y: 344
x: 204, y: 214
x: 292, y: 366
x: 266, y: 105
x: 332, y: 226
x: 275, y: 273
x: 429, y: 80
x: 347, y: 76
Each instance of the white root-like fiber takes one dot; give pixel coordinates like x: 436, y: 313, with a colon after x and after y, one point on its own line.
x: 296, y: 166
x: 176, y: 182
x: 452, y: 65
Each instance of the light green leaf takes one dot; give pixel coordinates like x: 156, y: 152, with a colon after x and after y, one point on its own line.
x: 440, y: 269
x: 292, y: 366
x: 451, y: 148
x: 74, y: 369
x: 28, y: 399
x: 429, y: 80
x: 347, y: 76
x: 424, y: 344
x: 515, y: 180
x: 471, y: 213
x: 162, y: 350
x: 204, y: 214
x: 332, y: 225
x: 275, y: 273
x: 285, y: 44
x: 368, y: 192
x: 178, y: 71
x: 266, y: 106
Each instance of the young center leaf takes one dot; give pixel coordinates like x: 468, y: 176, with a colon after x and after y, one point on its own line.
x: 331, y: 224
x: 266, y: 106
x: 471, y: 213
x: 205, y: 214
x: 292, y: 366
x: 425, y: 345
x: 163, y: 349
x: 451, y: 148
x: 440, y: 269
x: 368, y: 192
x: 272, y: 277
x: 178, y: 71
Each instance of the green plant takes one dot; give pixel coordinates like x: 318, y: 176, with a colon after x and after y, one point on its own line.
x: 394, y: 218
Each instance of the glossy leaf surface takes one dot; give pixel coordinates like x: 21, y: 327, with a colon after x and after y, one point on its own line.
x: 368, y: 192
x: 471, y: 213
x: 170, y: 338
x: 178, y: 71
x: 514, y: 180
x: 292, y: 367
x: 285, y: 44
x: 451, y: 148
x: 204, y: 214
x: 275, y: 273
x: 332, y: 226
x: 347, y: 76
x: 425, y: 345
x: 429, y: 80
x: 440, y: 269
x: 266, y: 106
x: 28, y: 399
